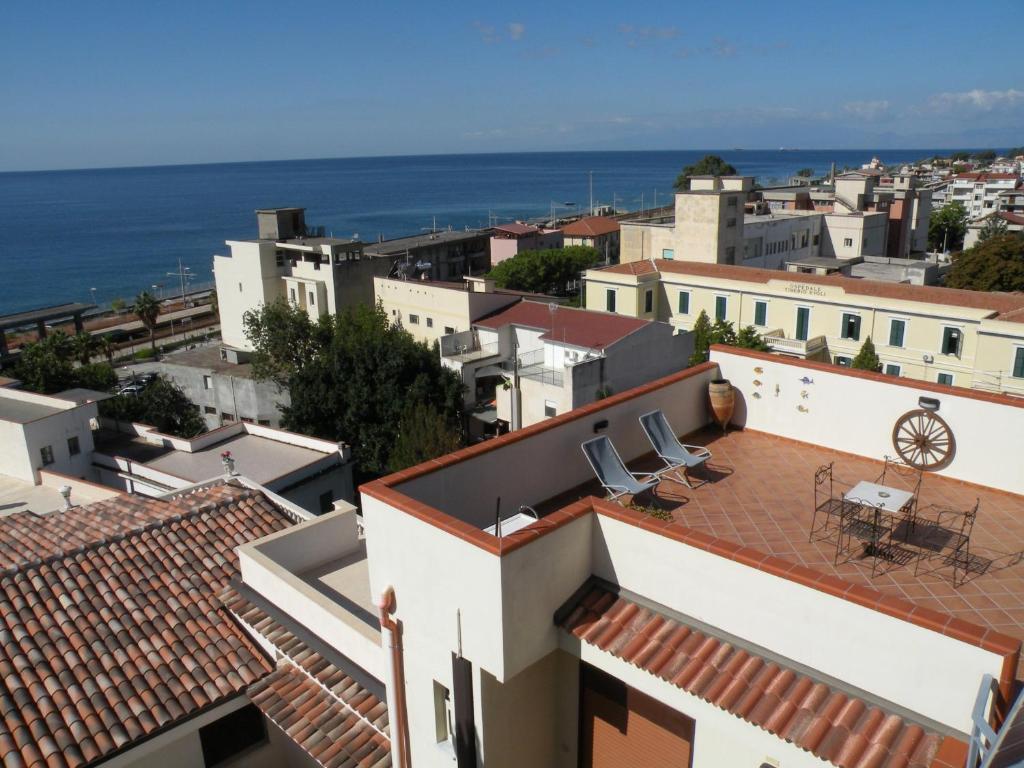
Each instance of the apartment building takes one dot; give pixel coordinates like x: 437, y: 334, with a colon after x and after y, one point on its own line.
x: 600, y: 232
x: 430, y: 309
x: 724, y: 220
x: 532, y: 361
x: 964, y: 338
x: 507, y: 240
x: 493, y: 609
x: 980, y: 192
x: 320, y: 275
x: 447, y: 255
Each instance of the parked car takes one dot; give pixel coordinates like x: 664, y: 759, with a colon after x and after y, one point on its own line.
x: 132, y: 389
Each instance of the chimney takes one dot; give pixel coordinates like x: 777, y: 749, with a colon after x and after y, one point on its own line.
x: 229, y: 464
x: 480, y: 284
x: 65, y: 491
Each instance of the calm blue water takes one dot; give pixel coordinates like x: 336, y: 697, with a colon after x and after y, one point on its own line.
x: 122, y: 230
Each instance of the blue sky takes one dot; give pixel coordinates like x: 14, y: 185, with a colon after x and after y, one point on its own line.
x: 94, y: 84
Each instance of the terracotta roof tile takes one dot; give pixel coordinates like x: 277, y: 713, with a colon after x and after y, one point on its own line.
x: 333, y: 735
x: 579, y: 327
x: 830, y: 724
x: 335, y: 681
x: 109, y: 630
x: 591, y: 226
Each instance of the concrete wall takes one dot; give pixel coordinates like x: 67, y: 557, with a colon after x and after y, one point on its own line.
x: 21, y: 444
x: 241, y: 396
x: 245, y: 279
x: 866, y: 233
x: 469, y: 489
x: 989, y: 435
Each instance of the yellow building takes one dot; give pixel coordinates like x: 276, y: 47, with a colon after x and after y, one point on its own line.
x: 950, y: 336
x: 430, y: 309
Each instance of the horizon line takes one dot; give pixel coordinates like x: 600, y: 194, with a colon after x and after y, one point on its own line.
x: 473, y: 154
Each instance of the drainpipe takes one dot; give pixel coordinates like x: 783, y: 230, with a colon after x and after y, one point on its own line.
x: 391, y: 638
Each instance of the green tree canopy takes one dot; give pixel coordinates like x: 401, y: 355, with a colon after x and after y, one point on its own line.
x: 947, y: 227
x: 1015, y: 152
x: 45, y: 366
x: 357, y: 379
x: 48, y: 366
x: 148, y: 310
x: 83, y: 345
x: 997, y: 264
x: 162, y: 405
x: 959, y: 157
x: 284, y: 339
x: 706, y: 333
x: 709, y: 165
x: 423, y: 433
x: 548, y: 271
x: 985, y: 156
x: 867, y: 358
x: 805, y: 173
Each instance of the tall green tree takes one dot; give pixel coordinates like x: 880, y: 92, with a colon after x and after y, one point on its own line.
x: 947, y: 227
x: 805, y: 173
x: 147, y: 308
x: 709, y: 165
x: 357, y: 379
x: 985, y: 156
x: 284, y: 339
x: 423, y: 433
x: 867, y: 358
x: 106, y: 348
x: 701, y: 338
x: 549, y: 271
x: 749, y: 338
x: 162, y: 404
x: 996, y: 264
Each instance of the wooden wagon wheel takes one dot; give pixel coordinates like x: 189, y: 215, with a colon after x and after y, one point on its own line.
x: 923, y: 440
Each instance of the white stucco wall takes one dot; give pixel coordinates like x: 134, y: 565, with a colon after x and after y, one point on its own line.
x: 854, y: 414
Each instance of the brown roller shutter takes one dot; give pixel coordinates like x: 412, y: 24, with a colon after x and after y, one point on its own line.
x: 623, y: 728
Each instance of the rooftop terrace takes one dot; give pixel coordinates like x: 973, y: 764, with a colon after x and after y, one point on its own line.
x: 759, y: 502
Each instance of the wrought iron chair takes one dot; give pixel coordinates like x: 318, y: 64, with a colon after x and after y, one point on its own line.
x: 827, y: 504
x: 899, y: 474
x: 947, y: 539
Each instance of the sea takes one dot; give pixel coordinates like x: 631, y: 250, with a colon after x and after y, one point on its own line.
x: 97, y: 235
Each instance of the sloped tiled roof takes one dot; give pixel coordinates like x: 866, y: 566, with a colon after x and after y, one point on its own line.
x: 997, y: 303
x: 333, y: 736
x: 579, y: 327
x: 831, y: 724
x: 333, y: 718
x: 109, y: 628
x: 591, y: 226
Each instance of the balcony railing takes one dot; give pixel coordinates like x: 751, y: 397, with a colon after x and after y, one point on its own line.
x: 466, y: 353
x: 778, y: 342
x: 531, y: 366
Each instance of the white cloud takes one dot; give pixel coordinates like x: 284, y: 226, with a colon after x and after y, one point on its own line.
x: 486, y: 31
x: 984, y: 101
x: 516, y: 30
x: 866, y: 110
x: 636, y: 36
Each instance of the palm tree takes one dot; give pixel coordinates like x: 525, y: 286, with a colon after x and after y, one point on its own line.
x: 106, y: 347
x: 83, y: 344
x: 147, y: 308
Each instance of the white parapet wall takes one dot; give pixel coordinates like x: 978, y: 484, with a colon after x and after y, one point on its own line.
x: 856, y: 411
x: 274, y: 566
